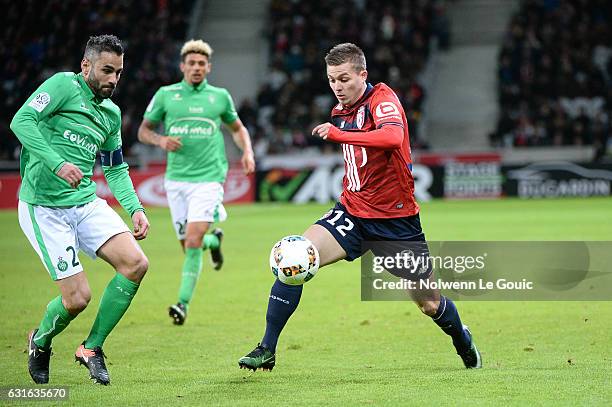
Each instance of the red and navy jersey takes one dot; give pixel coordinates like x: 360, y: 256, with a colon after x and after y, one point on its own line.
x: 378, y: 182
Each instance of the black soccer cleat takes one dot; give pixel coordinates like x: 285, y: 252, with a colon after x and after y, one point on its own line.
x: 259, y: 358
x: 215, y: 254
x: 178, y: 313
x: 471, y: 357
x: 93, y: 359
x: 38, y: 360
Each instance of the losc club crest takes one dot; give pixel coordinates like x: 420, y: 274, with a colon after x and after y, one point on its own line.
x: 360, y: 117
x: 62, y: 265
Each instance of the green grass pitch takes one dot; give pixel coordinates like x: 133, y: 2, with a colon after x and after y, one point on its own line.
x: 336, y: 350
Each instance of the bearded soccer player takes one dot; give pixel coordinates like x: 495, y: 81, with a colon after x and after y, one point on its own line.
x: 377, y: 201
x: 62, y: 126
x: 192, y: 112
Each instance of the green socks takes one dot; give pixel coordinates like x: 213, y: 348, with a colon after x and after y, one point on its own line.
x: 210, y: 241
x: 191, y: 271
x: 115, y: 301
x: 56, y: 319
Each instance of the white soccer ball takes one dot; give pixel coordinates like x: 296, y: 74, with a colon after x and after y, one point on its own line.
x: 294, y: 260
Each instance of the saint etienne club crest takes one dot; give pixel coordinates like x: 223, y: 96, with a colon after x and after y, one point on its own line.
x: 360, y: 117
x: 62, y: 265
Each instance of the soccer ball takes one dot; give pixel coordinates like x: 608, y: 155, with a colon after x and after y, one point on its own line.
x: 294, y: 260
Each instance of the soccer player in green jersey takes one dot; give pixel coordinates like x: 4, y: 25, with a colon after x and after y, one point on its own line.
x: 192, y: 112
x: 62, y: 126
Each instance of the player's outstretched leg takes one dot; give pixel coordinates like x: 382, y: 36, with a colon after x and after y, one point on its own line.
x: 447, y: 318
x: 213, y: 241
x: 283, y: 301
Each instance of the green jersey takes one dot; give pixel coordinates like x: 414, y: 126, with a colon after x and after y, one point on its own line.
x: 63, y: 121
x: 194, y: 113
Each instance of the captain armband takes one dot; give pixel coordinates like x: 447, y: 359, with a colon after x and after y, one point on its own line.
x: 111, y: 158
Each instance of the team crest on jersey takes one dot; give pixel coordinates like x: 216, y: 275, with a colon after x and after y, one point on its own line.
x: 211, y: 99
x: 177, y: 96
x: 360, y: 117
x: 62, y: 265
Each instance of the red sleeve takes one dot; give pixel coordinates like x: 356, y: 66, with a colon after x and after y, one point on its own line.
x: 388, y: 137
x: 386, y: 108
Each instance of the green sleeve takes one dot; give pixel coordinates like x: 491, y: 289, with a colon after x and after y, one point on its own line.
x: 230, y: 115
x: 117, y: 174
x: 155, y: 111
x: 121, y: 186
x: 46, y: 100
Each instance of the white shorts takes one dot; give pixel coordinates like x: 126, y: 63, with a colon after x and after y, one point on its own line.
x: 57, y: 234
x: 194, y: 202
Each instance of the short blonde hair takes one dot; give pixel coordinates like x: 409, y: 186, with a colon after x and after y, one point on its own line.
x: 196, y: 46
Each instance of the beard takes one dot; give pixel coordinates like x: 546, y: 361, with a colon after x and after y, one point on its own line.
x: 103, y: 92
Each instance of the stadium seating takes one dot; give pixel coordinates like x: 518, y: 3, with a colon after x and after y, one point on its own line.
x: 41, y: 38
x: 555, y: 75
x: 395, y: 36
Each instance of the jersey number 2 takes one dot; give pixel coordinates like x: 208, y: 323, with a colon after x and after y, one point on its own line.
x: 74, y: 258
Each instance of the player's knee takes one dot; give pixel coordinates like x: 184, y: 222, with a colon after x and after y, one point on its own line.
x: 429, y: 307
x: 136, y: 268
x: 193, y: 241
x: 140, y: 267
x: 77, y: 301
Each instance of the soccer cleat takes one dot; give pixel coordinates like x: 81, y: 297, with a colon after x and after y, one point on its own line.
x: 38, y: 360
x: 259, y: 358
x: 471, y: 357
x: 178, y: 313
x: 93, y: 359
x: 215, y: 254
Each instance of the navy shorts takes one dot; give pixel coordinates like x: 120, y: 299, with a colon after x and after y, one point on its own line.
x: 358, y: 235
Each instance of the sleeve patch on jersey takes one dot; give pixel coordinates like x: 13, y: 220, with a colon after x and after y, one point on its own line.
x: 40, y: 101
x: 111, y: 158
x: 386, y: 109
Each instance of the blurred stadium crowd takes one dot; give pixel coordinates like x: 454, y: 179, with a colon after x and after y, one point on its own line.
x: 555, y: 74
x: 40, y: 38
x: 555, y: 65
x: 394, y: 34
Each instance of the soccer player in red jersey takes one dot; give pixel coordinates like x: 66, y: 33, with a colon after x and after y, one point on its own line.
x: 376, y: 205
